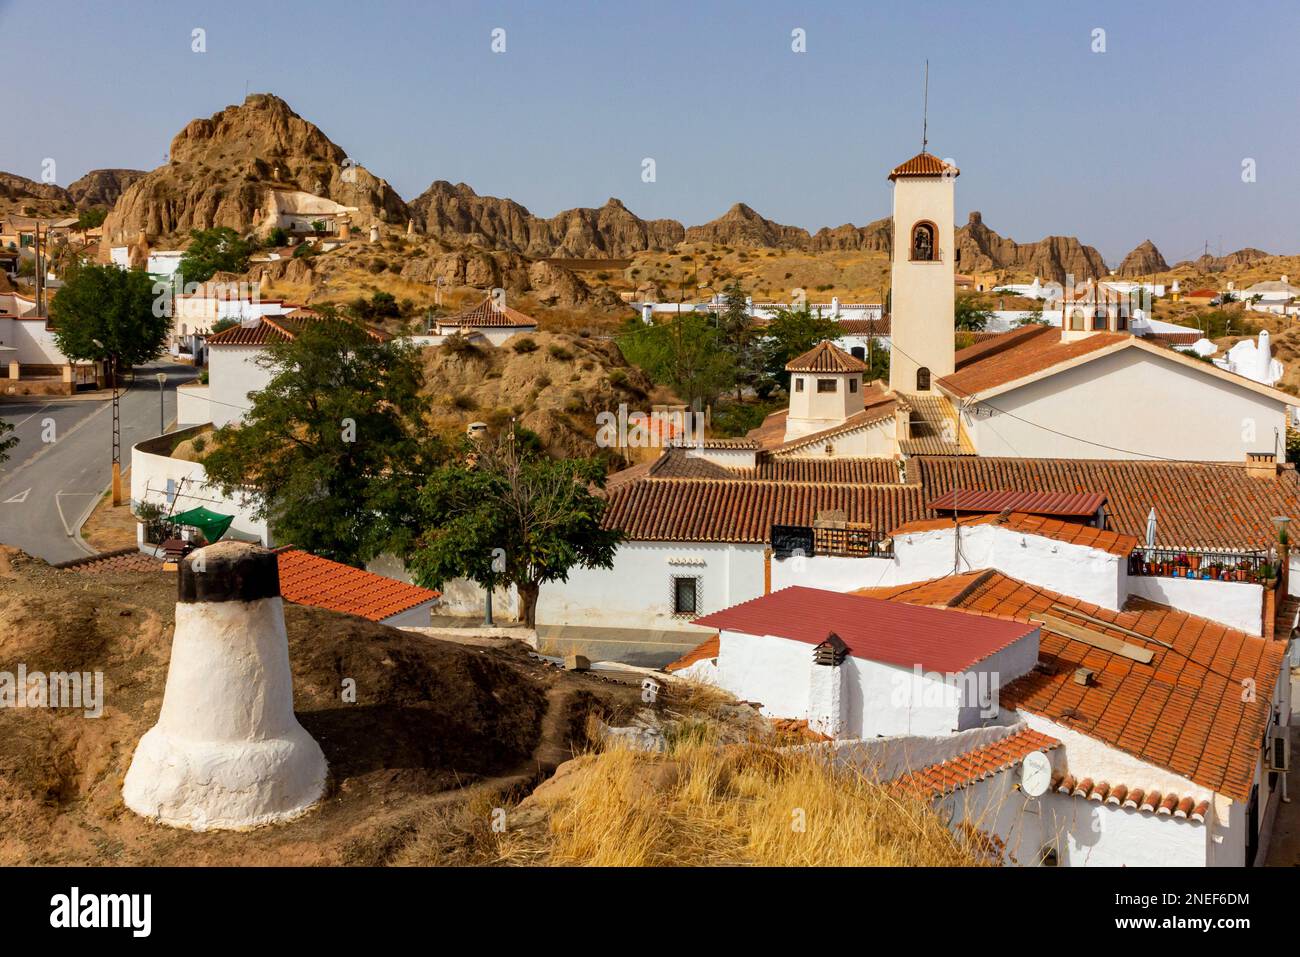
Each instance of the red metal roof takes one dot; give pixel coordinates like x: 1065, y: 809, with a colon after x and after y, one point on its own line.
x: 1080, y: 504
x: 891, y: 632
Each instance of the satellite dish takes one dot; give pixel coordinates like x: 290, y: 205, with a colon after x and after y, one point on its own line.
x: 1035, y: 774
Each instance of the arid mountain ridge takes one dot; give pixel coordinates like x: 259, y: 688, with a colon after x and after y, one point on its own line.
x: 221, y: 169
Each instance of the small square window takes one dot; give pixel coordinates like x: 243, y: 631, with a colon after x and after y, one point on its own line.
x: 853, y: 385
x: 798, y: 385
x: 685, y: 596
x: 825, y: 385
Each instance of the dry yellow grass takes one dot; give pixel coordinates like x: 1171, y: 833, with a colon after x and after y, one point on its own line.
x: 739, y: 805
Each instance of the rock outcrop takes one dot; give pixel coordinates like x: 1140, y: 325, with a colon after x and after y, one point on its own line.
x: 1209, y: 264
x: 873, y: 237
x: 221, y: 171
x: 18, y: 193
x: 457, y: 214
x: 102, y: 187
x: 742, y: 226
x: 1143, y: 261
x: 1053, y: 258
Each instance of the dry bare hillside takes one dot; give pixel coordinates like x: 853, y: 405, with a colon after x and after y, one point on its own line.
x: 551, y: 383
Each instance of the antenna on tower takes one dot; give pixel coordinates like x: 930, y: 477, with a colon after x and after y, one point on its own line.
x: 925, y: 109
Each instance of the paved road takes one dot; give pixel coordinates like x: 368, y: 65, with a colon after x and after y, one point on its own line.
x: 48, y: 487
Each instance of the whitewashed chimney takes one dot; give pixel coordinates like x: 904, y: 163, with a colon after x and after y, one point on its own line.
x: 227, y: 752
x: 827, y: 702
x: 647, y: 313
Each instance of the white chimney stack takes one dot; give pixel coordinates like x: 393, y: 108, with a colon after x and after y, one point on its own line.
x: 1263, y: 359
x: 227, y: 752
x: 835, y: 307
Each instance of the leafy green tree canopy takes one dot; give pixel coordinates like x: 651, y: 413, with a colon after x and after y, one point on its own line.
x: 214, y: 250
x: 513, y: 517
x: 104, y: 313
x: 686, y: 354
x: 968, y: 315
x: 332, y: 451
x: 790, y: 334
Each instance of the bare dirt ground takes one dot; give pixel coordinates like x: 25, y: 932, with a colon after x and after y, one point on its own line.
x: 110, y: 526
x: 439, y: 730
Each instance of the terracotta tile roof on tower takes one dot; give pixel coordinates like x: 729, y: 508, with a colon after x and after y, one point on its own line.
x: 1182, y: 711
x: 874, y: 629
x: 976, y: 764
x: 924, y: 164
x: 1198, y: 505
x: 825, y: 357
x: 1070, y: 533
x: 487, y: 314
x: 308, y: 579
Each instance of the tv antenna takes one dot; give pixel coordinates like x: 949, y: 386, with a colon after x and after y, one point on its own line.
x: 925, y: 109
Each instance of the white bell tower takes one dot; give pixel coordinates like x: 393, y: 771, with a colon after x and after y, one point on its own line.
x: 923, y: 274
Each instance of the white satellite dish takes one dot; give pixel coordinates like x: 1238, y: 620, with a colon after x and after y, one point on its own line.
x: 1035, y: 774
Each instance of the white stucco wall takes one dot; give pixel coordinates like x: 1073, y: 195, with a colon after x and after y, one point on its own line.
x: 150, y: 474
x: 873, y: 441
x: 1238, y: 605
x: 1130, y: 404
x: 637, y: 591
x: 192, y: 406
x: 232, y: 374
x: 1086, y: 573
x: 34, y: 342
x: 876, y: 698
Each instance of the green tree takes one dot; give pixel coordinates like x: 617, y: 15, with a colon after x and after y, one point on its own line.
x: 686, y: 354
x: 221, y: 325
x: 90, y: 218
x: 739, y: 337
x: 332, y: 451
x: 214, y: 250
x: 108, y: 314
x: 790, y: 334
x: 969, y: 315
x: 513, y: 517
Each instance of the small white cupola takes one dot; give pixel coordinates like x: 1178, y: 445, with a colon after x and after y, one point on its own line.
x: 825, y: 389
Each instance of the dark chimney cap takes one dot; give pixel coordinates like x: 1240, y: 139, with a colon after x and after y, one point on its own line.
x: 229, y: 571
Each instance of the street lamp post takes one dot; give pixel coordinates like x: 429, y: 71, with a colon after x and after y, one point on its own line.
x: 162, y: 421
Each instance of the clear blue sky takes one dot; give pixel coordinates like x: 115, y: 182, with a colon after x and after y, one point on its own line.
x: 1144, y: 140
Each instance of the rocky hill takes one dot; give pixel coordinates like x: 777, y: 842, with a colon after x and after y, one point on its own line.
x: 1214, y: 264
x: 102, y: 187
x: 741, y: 226
x: 221, y: 171
x: 455, y: 213
x: 983, y: 250
x: 1143, y: 261
x: 18, y: 193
